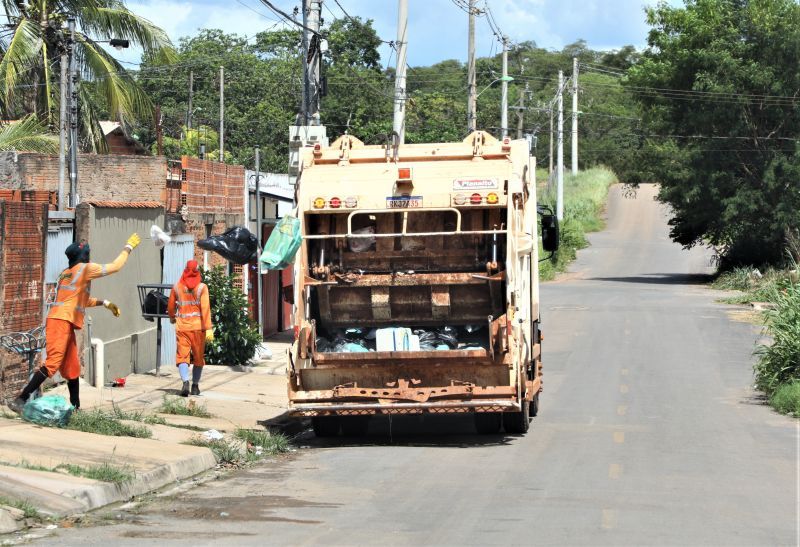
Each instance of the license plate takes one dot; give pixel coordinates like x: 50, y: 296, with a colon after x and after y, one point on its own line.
x: 404, y: 202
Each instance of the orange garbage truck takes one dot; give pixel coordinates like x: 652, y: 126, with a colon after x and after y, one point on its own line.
x: 416, y: 284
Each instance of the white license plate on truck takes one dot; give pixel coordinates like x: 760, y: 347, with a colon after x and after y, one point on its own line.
x: 404, y: 202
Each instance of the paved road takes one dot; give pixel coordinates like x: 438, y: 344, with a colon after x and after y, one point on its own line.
x: 648, y: 435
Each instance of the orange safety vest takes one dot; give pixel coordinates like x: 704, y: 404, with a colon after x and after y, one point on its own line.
x: 72, y: 296
x: 190, y: 308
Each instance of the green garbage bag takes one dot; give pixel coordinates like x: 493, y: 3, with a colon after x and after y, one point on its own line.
x: 52, y: 410
x: 282, y: 244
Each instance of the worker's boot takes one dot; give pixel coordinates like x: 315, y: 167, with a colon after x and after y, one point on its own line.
x: 195, y: 389
x: 74, y: 393
x: 33, y: 386
x: 185, y: 389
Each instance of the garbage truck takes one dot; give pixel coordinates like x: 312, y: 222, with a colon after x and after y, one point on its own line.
x: 416, y: 284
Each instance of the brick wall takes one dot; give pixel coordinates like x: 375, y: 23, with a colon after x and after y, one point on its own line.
x: 23, y: 240
x: 100, y: 177
x: 212, y: 187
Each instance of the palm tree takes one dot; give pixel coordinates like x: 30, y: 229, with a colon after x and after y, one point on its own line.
x: 27, y: 135
x: 31, y: 47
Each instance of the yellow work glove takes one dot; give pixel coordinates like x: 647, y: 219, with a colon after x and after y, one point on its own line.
x: 133, y: 242
x: 210, y: 335
x: 113, y: 308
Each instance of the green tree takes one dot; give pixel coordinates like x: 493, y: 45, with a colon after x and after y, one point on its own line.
x: 724, y: 141
x: 235, y: 336
x: 31, y: 50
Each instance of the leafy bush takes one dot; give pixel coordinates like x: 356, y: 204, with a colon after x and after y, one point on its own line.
x: 235, y: 336
x: 779, y: 362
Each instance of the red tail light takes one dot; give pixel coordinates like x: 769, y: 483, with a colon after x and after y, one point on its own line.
x: 476, y: 199
x: 335, y: 203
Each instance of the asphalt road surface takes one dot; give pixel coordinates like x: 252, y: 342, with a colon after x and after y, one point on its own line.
x: 648, y: 434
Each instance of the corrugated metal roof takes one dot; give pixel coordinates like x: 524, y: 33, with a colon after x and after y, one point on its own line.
x: 125, y: 204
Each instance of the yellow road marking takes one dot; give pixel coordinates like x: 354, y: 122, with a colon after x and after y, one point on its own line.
x: 619, y: 437
x: 623, y: 388
x: 614, y: 471
x: 622, y: 410
x: 609, y: 519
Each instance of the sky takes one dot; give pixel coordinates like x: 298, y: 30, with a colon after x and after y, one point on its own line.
x: 437, y: 28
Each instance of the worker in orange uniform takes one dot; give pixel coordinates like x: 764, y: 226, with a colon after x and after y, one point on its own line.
x: 66, y: 316
x: 190, y: 311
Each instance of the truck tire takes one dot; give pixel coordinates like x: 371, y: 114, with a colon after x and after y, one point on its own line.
x: 325, y: 426
x: 355, y: 426
x: 517, y: 422
x: 488, y: 423
x: 534, y: 406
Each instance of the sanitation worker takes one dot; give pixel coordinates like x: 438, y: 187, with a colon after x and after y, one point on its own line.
x: 190, y: 311
x: 66, y: 316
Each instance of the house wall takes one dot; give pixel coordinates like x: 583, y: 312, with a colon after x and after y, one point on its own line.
x: 130, y: 341
x: 23, y: 239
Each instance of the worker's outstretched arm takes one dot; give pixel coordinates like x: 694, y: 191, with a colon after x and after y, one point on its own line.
x: 101, y: 270
x: 171, y: 304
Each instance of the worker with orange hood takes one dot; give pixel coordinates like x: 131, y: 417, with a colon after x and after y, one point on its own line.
x: 66, y: 316
x: 190, y: 311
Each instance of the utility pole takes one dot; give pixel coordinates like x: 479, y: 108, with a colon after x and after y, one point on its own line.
x: 222, y: 114
x: 399, y: 124
x: 550, y: 167
x: 472, y: 101
x: 159, y: 131
x: 312, y: 13
x: 73, y: 117
x: 521, y: 111
x: 574, y: 115
x: 504, y: 92
x: 191, y: 93
x: 560, y: 174
x: 259, y: 230
x: 62, y: 134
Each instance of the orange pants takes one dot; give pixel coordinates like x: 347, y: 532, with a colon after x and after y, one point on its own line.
x: 191, y: 347
x: 62, y: 350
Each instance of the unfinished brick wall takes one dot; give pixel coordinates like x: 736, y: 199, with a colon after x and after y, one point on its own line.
x: 23, y: 240
x: 212, y: 187
x: 100, y: 177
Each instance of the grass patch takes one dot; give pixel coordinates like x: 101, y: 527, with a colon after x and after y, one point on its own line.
x: 23, y: 505
x: 584, y: 199
x: 786, y: 399
x: 103, y: 423
x: 137, y: 416
x: 104, y: 472
x: 754, y: 285
x: 269, y: 443
x: 225, y: 451
x: 779, y: 361
x: 180, y: 407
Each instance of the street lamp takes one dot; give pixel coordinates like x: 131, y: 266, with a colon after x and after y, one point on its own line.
x: 501, y: 79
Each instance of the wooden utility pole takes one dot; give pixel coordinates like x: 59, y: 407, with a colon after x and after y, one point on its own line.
x: 399, y: 122
x: 159, y: 131
x: 504, y: 91
x: 191, y: 93
x: 521, y: 111
x: 550, y: 167
x: 560, y: 166
x: 472, y: 100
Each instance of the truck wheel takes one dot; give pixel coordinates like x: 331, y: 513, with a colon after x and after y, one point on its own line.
x: 325, y: 426
x: 517, y: 422
x: 488, y: 423
x: 355, y: 426
x: 534, y: 406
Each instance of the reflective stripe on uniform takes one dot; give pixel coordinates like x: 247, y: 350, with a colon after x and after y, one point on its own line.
x: 193, y: 314
x: 189, y: 302
x: 72, y: 286
x: 103, y: 271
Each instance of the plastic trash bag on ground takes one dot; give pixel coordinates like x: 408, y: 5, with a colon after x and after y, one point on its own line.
x: 213, y: 435
x: 238, y: 245
x: 282, y: 245
x: 52, y: 410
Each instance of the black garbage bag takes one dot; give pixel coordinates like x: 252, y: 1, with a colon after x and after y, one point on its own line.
x: 238, y: 245
x: 449, y: 336
x: 155, y: 303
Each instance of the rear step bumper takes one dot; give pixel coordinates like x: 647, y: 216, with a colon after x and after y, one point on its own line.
x: 443, y: 407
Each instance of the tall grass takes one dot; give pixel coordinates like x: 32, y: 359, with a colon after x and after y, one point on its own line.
x: 779, y: 362
x: 756, y: 286
x: 102, y: 423
x: 584, y: 199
